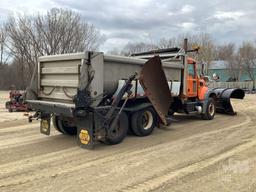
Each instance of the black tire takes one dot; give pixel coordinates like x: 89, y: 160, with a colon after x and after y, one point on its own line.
x: 7, y: 105
x: 171, y: 112
x: 144, y: 122
x: 64, y: 125
x: 210, y: 110
x: 55, y: 123
x: 120, y: 132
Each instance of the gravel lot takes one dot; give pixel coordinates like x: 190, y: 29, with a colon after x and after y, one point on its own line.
x: 190, y: 155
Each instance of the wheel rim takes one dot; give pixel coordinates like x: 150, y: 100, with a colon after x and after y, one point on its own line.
x: 147, y: 120
x: 68, y: 123
x: 66, y: 126
x: 211, y: 109
x: 116, y: 132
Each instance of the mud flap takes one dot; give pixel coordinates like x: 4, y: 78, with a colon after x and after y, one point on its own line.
x: 45, y: 124
x: 85, y: 131
x: 155, y: 85
x: 223, y: 104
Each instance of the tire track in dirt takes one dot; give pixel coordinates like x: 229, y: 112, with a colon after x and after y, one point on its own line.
x: 18, y: 128
x: 9, y: 124
x: 15, y: 134
x: 162, y: 178
x: 45, y: 146
x: 82, y: 164
x: 156, y: 182
x: 8, y: 119
x: 9, y: 143
x: 20, y: 140
x: 54, y: 139
x: 21, y: 179
x: 31, y: 139
x: 57, y: 163
x: 24, y: 164
x: 21, y: 135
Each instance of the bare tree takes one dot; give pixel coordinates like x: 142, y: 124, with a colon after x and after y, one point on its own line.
x: 63, y: 31
x: 228, y: 53
x: 22, y: 45
x: 57, y: 32
x: 207, y: 48
x: 131, y: 48
x: 4, y: 51
x: 4, y: 55
x: 248, y: 55
x: 114, y: 51
x: 204, y: 41
x: 167, y: 43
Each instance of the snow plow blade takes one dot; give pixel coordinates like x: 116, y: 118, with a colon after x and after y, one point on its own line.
x: 155, y: 85
x: 223, y: 104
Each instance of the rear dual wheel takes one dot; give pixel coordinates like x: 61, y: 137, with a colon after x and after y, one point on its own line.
x: 119, y: 132
x: 64, y: 125
x: 144, y: 121
x: 8, y: 105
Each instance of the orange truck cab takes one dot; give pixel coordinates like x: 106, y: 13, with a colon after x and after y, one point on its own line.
x: 194, y: 96
x: 196, y: 84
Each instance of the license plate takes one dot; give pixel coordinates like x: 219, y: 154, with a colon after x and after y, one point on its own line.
x: 45, y: 126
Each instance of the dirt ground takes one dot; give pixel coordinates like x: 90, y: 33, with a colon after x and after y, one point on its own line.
x: 190, y: 155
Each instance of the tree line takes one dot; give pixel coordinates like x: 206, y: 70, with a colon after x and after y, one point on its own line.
x: 238, y: 58
x: 23, y: 38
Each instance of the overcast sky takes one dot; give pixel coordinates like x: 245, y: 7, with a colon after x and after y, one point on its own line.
x: 123, y: 21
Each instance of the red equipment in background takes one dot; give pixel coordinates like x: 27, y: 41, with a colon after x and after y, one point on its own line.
x: 16, y: 102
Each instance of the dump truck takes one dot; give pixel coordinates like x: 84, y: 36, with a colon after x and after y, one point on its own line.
x: 99, y: 97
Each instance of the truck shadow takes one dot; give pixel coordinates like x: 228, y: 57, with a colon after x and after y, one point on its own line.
x: 179, y: 118
x: 179, y: 124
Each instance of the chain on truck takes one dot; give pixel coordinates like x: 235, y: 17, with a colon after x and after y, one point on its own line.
x: 98, y: 97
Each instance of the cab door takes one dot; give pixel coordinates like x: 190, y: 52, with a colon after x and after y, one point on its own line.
x: 191, y: 80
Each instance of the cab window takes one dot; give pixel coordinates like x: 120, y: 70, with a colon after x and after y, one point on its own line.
x: 191, y: 70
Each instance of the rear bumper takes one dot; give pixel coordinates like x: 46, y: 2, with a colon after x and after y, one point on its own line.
x: 52, y: 107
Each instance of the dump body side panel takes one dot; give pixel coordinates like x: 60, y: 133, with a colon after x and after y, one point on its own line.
x: 118, y: 67
x: 59, y: 76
